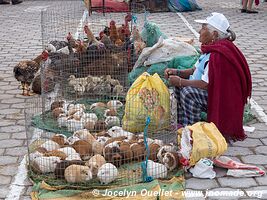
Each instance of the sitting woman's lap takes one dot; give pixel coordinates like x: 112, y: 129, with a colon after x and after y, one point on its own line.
x: 190, y: 103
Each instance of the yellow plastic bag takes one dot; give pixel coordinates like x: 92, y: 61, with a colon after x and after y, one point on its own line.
x: 148, y: 96
x: 208, y: 142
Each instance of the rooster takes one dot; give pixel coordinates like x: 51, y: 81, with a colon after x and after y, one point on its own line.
x: 25, y: 71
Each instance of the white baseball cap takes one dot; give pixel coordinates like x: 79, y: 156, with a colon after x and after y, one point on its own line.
x: 217, y: 20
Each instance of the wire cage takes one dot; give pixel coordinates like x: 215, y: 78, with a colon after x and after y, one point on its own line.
x: 80, y: 130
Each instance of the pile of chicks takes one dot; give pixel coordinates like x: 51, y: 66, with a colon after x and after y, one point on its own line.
x: 95, y: 85
x: 97, y: 148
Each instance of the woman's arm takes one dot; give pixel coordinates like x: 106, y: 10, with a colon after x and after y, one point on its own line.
x: 186, y: 73
x: 180, y: 82
x: 181, y: 73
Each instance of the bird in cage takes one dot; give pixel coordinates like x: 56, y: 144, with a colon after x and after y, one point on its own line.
x: 78, y: 45
x: 124, y: 31
x: 106, y: 41
x: 139, y: 44
x: 91, y: 38
x: 59, y: 62
x: 118, y: 90
x: 48, y: 83
x: 25, y: 71
x: 113, y: 35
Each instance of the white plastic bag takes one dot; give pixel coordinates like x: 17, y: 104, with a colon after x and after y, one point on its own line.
x: 203, y: 169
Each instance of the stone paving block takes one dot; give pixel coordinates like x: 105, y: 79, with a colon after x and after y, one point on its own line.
x: 18, y: 105
x: 8, y: 87
x: 259, y: 192
x: 3, y: 191
x: 5, y: 180
x: 6, y: 123
x: 21, y: 122
x: 17, y: 151
x: 248, y: 143
x: 236, y: 151
x: 2, y: 152
x: 264, y: 140
x: 6, y: 160
x: 260, y: 126
x: 255, y: 159
x: 4, y: 106
x: 4, y: 136
x: 237, y: 182
x: 11, y: 101
x: 201, y: 184
x: 9, y: 170
x: 262, y: 180
x: 3, y: 83
x: 10, y: 143
x: 261, y: 150
x: 19, y: 135
x: 15, y: 116
x: 9, y: 111
x: 12, y: 129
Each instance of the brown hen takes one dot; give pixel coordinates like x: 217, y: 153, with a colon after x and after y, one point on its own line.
x: 25, y: 71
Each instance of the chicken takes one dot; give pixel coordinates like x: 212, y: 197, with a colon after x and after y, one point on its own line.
x: 71, y: 40
x: 124, y: 31
x: 91, y: 38
x: 113, y: 35
x: 77, y: 45
x: 139, y: 44
x: 25, y: 71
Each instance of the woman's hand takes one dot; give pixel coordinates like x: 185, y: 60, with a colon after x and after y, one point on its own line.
x: 175, y: 81
x: 168, y: 72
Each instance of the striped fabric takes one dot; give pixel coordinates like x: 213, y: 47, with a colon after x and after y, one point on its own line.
x: 190, y: 103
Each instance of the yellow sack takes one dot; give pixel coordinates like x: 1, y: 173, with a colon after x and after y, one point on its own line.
x: 148, y: 96
x: 208, y: 142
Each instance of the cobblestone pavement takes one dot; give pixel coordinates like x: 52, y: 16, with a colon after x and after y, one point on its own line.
x: 20, y: 38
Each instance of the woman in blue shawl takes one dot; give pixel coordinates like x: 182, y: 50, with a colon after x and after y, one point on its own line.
x: 183, y: 5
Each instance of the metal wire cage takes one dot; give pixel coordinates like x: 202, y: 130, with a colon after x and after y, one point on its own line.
x: 77, y: 130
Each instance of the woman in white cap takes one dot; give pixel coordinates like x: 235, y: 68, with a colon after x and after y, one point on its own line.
x: 219, y: 83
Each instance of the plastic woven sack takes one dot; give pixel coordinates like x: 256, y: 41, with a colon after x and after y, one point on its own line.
x: 148, y: 96
x: 207, y: 142
x: 179, y: 62
x: 151, y: 34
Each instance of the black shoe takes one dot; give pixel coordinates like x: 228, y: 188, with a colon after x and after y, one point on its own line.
x: 252, y: 11
x: 243, y: 10
x: 3, y: 2
x: 14, y: 2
